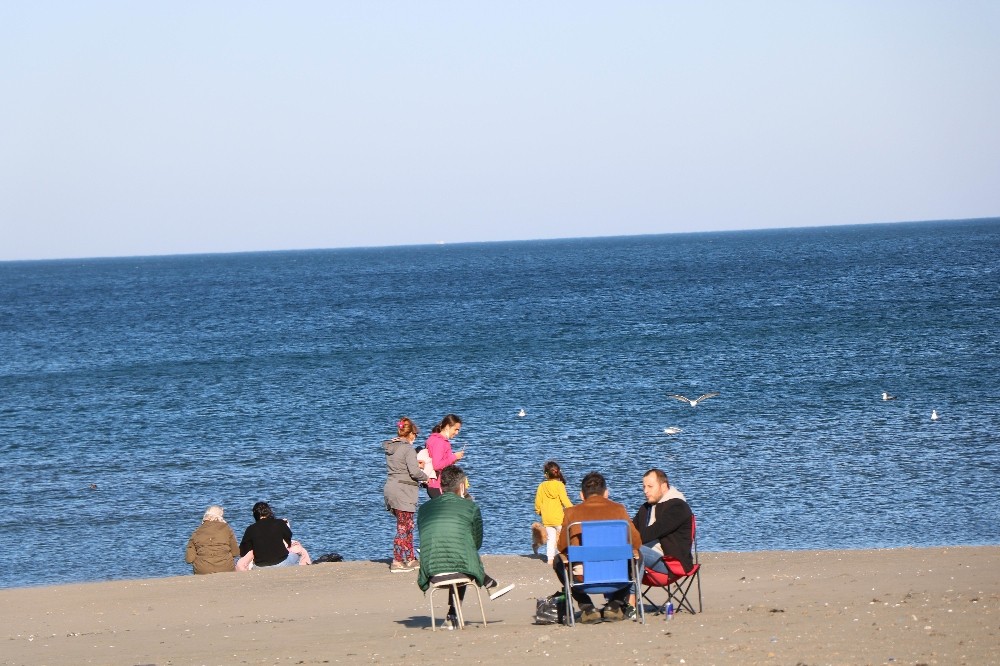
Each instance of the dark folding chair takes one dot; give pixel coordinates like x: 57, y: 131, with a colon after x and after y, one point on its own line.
x: 678, y: 582
x: 605, y: 554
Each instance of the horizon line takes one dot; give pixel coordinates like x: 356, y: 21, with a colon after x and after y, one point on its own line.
x: 441, y: 243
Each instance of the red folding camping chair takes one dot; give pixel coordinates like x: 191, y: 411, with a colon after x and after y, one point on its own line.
x: 677, y: 583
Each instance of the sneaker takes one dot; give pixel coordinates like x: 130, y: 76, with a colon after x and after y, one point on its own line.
x: 589, y: 615
x: 399, y: 567
x: 489, y: 583
x: 502, y: 591
x: 450, y: 622
x: 613, y: 612
x: 629, y: 611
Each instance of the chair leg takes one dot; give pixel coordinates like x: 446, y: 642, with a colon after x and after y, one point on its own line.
x: 460, y: 613
x: 636, y: 587
x: 568, y: 593
x: 680, y: 592
x: 458, y: 606
x: 433, y: 621
x: 482, y: 608
x: 657, y: 608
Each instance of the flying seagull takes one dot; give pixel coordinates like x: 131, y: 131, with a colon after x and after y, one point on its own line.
x: 672, y: 430
x: 694, y: 403
x: 886, y: 396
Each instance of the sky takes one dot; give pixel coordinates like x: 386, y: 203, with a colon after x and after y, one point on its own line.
x: 148, y: 128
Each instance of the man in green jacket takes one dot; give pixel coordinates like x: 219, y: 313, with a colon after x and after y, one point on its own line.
x: 451, y: 533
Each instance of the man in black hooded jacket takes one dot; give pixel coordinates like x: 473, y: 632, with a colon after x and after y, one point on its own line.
x: 664, y: 523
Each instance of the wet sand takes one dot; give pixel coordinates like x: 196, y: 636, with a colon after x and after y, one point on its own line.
x: 896, y: 606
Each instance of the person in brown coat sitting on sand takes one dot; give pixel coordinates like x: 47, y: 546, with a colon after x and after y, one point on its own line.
x: 212, y: 547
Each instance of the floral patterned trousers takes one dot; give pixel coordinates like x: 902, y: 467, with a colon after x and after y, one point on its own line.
x: 402, y: 545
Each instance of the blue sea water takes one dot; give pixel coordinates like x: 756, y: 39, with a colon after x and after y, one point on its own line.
x: 172, y: 383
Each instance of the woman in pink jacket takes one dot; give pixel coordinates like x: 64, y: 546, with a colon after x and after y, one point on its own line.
x: 439, y: 448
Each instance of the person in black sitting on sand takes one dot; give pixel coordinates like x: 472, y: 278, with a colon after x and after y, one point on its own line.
x: 268, y: 538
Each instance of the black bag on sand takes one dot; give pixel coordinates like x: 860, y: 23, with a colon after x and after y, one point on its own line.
x: 329, y: 557
x: 551, y: 609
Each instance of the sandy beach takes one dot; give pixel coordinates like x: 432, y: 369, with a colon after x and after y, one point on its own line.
x: 896, y: 606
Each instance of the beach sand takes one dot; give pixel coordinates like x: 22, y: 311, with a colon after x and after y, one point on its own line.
x: 896, y: 606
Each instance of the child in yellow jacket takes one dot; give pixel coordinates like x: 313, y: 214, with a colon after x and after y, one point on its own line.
x: 550, y: 500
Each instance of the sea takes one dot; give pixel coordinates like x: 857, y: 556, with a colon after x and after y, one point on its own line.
x: 135, y: 392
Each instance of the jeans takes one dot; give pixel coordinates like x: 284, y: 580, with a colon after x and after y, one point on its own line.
x: 290, y: 561
x: 582, y: 598
x: 652, y: 559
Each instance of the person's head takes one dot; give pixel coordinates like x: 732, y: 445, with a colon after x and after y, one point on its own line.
x: 406, y: 428
x: 214, y: 513
x: 450, y: 425
x: 453, y: 480
x: 593, y: 484
x: 655, y: 485
x: 262, y: 510
x: 552, y: 471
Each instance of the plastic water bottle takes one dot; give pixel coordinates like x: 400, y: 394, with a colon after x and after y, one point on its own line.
x: 670, y: 611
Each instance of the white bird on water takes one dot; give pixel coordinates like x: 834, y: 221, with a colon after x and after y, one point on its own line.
x: 672, y: 430
x: 886, y: 396
x: 522, y: 413
x: 934, y: 415
x: 694, y: 403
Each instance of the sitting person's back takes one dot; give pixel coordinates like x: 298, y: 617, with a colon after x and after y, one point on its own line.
x: 451, y: 534
x: 212, y: 546
x: 595, y: 506
x: 268, y: 537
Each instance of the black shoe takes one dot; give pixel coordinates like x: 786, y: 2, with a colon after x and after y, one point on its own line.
x: 490, y: 583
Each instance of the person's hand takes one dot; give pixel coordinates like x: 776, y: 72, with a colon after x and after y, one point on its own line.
x: 459, y: 455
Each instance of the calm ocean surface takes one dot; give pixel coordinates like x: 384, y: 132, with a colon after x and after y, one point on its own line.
x: 172, y: 383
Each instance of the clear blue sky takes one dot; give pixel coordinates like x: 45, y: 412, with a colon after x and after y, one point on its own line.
x: 142, y: 127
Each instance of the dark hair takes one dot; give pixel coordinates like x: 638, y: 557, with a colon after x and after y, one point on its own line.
x: 593, y: 484
x: 262, y: 510
x: 552, y: 471
x: 406, y: 427
x: 660, y: 475
x: 452, y: 479
x: 448, y: 420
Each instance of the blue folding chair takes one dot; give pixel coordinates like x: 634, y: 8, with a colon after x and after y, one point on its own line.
x: 605, y: 554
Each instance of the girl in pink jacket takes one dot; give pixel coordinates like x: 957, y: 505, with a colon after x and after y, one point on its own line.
x: 439, y: 449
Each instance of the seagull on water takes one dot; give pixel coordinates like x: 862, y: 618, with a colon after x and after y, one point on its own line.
x: 886, y: 396
x: 934, y: 415
x: 672, y: 430
x: 694, y: 403
x: 522, y: 413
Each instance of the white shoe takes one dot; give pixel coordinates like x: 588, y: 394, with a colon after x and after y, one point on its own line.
x: 502, y: 591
